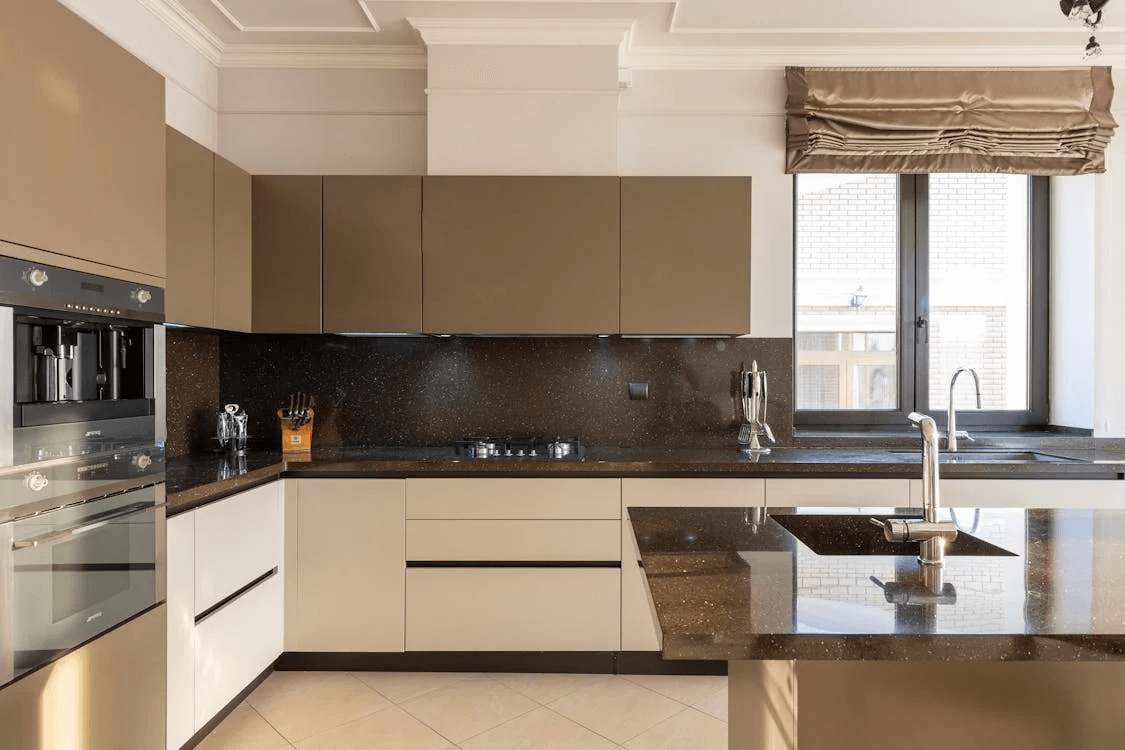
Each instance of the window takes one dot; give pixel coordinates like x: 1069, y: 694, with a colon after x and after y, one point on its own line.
x: 900, y: 280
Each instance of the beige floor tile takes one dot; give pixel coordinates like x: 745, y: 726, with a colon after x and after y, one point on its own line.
x: 687, y: 689
x: 716, y: 705
x: 389, y: 728
x: 687, y: 730
x: 617, y: 708
x: 545, y: 688
x: 244, y: 729
x: 542, y: 728
x: 467, y: 708
x: 301, y: 704
x: 402, y: 686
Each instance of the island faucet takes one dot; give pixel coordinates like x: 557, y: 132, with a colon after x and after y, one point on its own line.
x: 932, y: 533
x: 953, y: 433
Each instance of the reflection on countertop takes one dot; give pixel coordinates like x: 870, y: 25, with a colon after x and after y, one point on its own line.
x: 200, y: 478
x: 729, y: 584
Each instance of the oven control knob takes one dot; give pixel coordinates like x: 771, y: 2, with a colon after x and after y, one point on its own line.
x: 37, y: 277
x: 142, y: 461
x: 142, y: 296
x: 36, y: 481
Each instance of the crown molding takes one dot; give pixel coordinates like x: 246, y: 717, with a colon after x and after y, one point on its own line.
x: 239, y: 26
x: 358, y: 56
x: 525, y: 31
x: 187, y: 27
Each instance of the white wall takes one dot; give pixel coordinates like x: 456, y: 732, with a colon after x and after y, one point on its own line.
x: 191, y: 80
x: 323, y: 120
x: 1109, y: 299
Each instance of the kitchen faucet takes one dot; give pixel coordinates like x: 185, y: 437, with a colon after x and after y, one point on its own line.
x: 932, y: 533
x: 953, y: 433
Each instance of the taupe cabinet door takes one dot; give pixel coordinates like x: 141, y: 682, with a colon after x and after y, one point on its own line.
x: 82, y: 145
x: 232, y: 247
x: 373, y: 254
x: 531, y: 255
x: 190, y: 293
x: 287, y: 254
x: 685, y: 255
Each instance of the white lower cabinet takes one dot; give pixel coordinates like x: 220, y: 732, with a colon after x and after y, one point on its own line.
x: 512, y: 609
x: 346, y: 548
x: 1026, y: 493
x: 235, y: 644
x: 220, y: 641
x: 639, y: 630
x: 850, y: 492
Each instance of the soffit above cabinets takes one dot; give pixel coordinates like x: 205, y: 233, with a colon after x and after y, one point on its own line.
x: 666, y: 34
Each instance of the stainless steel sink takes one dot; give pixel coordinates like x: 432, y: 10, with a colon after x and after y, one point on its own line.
x: 855, y: 535
x: 989, y: 457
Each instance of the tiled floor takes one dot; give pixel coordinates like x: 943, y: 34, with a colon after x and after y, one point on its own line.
x: 451, y: 711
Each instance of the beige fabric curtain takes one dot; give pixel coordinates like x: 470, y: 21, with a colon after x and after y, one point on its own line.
x: 1040, y: 121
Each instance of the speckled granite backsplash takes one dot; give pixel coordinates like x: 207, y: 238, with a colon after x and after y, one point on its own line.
x: 431, y: 391
x: 193, y: 390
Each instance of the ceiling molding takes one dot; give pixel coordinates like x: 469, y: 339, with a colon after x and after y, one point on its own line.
x: 358, y: 56
x: 525, y: 31
x: 239, y: 26
x: 187, y: 27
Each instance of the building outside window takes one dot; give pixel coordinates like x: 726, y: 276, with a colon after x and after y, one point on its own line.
x: 900, y: 280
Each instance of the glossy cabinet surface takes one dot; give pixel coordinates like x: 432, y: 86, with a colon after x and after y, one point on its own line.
x: 286, y: 293
x: 190, y: 291
x: 639, y: 631
x: 233, y: 247
x: 512, y: 255
x: 181, y: 629
x: 515, y: 498
x: 888, y: 493
x: 83, y: 141
x: 685, y: 255
x: 372, y: 254
x: 346, y: 541
x: 1025, y: 493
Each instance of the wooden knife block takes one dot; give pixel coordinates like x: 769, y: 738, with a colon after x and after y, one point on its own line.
x: 297, y: 440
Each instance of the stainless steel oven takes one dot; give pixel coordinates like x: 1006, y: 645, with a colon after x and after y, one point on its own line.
x: 81, y: 459
x: 75, y: 572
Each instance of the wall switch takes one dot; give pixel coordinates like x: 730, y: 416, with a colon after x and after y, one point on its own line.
x: 638, y: 391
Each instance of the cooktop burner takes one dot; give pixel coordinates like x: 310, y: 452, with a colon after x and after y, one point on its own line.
x: 557, y: 448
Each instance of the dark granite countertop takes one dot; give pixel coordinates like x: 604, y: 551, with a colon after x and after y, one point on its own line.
x: 201, y: 478
x: 734, y: 583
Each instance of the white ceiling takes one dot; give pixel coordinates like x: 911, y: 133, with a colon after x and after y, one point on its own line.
x: 278, y: 27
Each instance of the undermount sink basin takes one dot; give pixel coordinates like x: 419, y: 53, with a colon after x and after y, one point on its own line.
x: 856, y: 535
x: 988, y: 457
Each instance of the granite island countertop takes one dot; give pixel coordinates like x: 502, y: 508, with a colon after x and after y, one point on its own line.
x: 197, y: 479
x: 736, y: 583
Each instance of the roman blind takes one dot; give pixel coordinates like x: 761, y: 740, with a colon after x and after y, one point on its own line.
x: 1038, y: 121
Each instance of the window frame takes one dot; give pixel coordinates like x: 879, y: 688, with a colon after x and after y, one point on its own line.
x: 913, y: 306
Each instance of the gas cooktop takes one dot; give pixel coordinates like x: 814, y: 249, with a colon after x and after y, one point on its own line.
x: 559, y: 448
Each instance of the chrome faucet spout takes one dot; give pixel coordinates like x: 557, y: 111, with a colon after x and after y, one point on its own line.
x: 952, y: 420
x: 931, y: 499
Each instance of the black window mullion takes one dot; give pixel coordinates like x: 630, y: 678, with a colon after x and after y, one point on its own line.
x: 919, y: 300
x: 1038, y: 391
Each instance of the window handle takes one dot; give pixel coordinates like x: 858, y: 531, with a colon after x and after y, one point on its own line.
x: 921, y: 331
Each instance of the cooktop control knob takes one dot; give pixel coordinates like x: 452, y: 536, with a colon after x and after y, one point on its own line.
x: 37, y: 277
x: 142, y: 296
x: 36, y: 481
x: 142, y: 461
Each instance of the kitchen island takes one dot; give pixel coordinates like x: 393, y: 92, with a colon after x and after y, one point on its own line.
x: 1017, y: 643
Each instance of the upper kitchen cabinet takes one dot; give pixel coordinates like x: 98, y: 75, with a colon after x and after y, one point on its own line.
x: 685, y: 255
x: 82, y: 151
x: 190, y: 292
x: 232, y: 247
x: 373, y: 254
x: 287, y: 254
x: 520, y: 255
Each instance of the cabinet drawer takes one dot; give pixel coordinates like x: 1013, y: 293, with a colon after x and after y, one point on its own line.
x: 236, y: 541
x: 784, y: 493
x: 1026, y: 493
x: 513, y: 609
x: 236, y: 644
x: 695, y: 493
x: 513, y: 498
x: 513, y: 540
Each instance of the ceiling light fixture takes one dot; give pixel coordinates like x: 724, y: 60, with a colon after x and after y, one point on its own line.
x: 1089, y: 12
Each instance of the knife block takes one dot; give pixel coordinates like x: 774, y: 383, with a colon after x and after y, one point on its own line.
x: 295, y: 440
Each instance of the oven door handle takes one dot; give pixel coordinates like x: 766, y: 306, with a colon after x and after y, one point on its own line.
x: 100, y: 521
